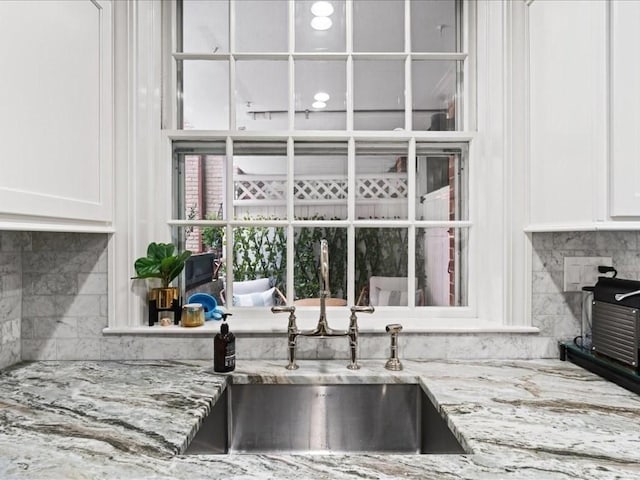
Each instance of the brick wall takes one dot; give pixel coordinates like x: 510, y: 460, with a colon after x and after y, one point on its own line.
x: 204, y: 194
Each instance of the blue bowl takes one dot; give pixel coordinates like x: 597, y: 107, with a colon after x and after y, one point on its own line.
x: 211, y: 310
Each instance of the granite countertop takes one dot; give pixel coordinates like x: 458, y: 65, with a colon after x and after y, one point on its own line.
x: 541, y: 419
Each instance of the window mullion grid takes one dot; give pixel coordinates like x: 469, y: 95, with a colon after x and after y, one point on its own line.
x: 408, y: 96
x: 229, y: 211
x: 292, y: 74
x: 351, y: 215
x: 290, y: 217
x: 232, y: 67
x: 411, y: 216
x: 467, y: 32
x: 349, y: 66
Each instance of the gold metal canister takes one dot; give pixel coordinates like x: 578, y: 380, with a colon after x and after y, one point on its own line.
x: 192, y: 315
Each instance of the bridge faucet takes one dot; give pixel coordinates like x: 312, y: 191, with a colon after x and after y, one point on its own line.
x: 323, y: 330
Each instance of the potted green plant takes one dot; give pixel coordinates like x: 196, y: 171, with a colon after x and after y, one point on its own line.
x: 164, y: 263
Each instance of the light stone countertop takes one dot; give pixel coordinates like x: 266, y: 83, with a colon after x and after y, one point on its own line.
x: 541, y: 420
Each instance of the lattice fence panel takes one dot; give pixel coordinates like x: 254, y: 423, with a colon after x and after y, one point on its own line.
x: 320, y: 189
x: 270, y: 187
x: 374, y: 186
x: 262, y: 187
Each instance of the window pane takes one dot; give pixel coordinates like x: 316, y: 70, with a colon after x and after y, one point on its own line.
x: 320, y: 181
x: 325, y: 81
x: 441, y: 184
x: 381, y: 266
x: 202, y: 198
x: 205, y: 26
x: 262, y: 26
x: 434, y: 27
x: 260, y: 180
x: 306, y: 270
x: 435, y: 87
x: 199, y: 170
x: 262, y: 95
x: 202, y: 271
x: 259, y: 253
x: 441, y: 265
x: 311, y: 37
x: 205, y: 95
x: 378, y: 26
x: 378, y: 94
x: 381, y: 181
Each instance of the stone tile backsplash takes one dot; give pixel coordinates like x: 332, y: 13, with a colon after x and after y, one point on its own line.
x: 556, y: 313
x: 12, y: 246
x: 53, y: 306
x: 64, y: 298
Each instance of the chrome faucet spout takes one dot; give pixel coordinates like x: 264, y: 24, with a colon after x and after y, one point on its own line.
x: 324, y: 267
x: 323, y: 330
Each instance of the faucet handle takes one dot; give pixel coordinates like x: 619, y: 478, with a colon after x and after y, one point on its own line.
x: 283, y: 309
x: 362, y: 309
x: 393, y: 328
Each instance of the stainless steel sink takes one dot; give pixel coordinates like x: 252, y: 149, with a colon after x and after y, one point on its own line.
x: 337, y: 418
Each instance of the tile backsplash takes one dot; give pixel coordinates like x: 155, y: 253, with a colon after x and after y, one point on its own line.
x: 53, y: 305
x: 12, y: 246
x: 64, y: 296
x: 556, y: 313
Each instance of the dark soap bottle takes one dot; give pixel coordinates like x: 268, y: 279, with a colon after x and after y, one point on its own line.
x: 224, y: 349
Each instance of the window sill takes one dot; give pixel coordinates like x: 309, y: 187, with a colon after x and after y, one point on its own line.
x: 278, y: 326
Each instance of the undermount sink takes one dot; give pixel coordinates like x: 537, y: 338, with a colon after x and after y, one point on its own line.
x: 323, y: 419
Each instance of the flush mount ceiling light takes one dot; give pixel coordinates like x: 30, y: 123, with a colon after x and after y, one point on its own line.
x: 321, y: 23
x: 322, y: 9
x: 318, y: 104
x: 321, y: 97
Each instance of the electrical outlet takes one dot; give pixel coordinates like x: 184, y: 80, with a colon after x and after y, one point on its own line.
x: 582, y: 272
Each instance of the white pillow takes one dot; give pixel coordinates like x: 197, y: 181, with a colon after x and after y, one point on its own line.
x: 392, y: 298
x: 251, y: 286
x: 261, y: 299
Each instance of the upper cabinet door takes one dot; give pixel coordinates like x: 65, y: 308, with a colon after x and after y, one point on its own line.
x: 625, y: 109
x: 567, y: 138
x: 56, y: 127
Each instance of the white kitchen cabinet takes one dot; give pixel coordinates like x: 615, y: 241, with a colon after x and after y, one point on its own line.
x: 567, y: 113
x: 625, y: 109
x: 56, y: 127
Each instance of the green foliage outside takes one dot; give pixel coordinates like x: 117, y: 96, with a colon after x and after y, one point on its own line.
x: 261, y: 252
x: 212, y: 237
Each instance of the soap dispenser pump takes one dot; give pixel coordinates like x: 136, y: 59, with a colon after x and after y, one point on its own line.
x: 224, y: 348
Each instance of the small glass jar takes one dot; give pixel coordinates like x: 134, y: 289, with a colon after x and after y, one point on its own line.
x: 192, y: 315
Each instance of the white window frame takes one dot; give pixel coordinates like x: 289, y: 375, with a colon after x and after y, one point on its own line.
x: 498, y: 288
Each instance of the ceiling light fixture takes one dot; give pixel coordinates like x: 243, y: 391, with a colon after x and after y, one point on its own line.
x: 321, y: 23
x: 318, y: 104
x: 321, y: 97
x: 322, y: 9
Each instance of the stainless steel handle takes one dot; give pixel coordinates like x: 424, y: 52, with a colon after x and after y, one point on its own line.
x: 394, y: 328
x: 283, y: 309
x: 362, y: 309
x: 621, y: 296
